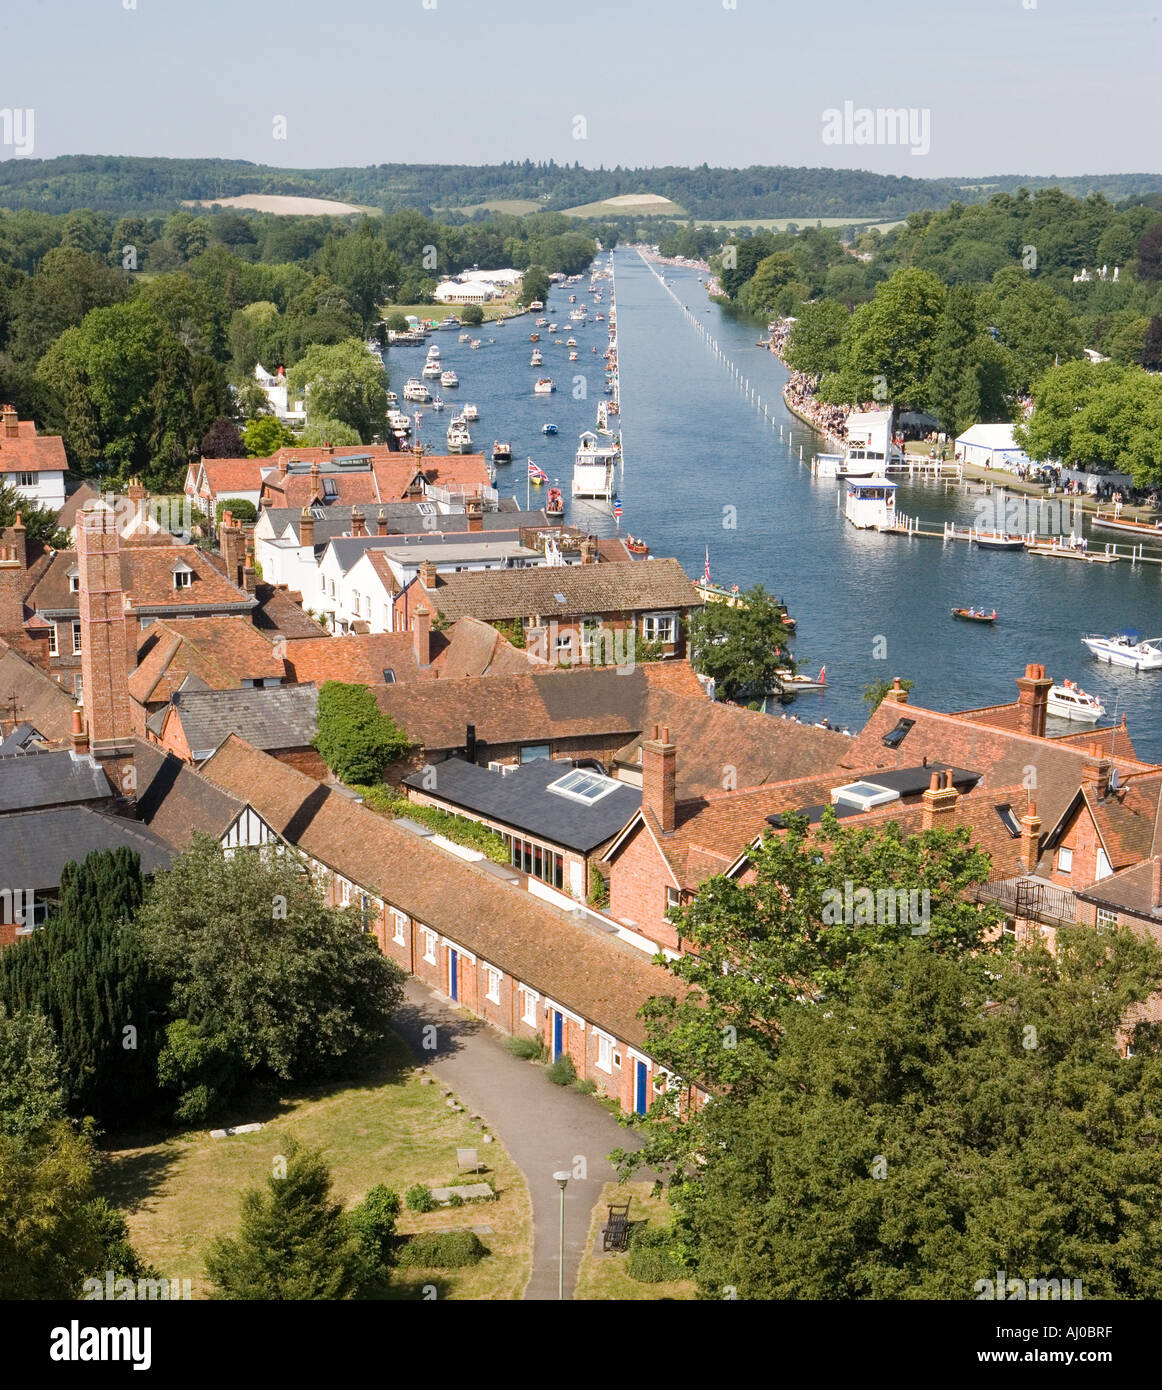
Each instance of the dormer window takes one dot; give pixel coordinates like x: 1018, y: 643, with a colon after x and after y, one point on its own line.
x: 183, y: 577
x: 74, y: 581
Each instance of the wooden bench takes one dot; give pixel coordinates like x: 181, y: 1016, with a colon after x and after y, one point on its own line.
x: 615, y: 1232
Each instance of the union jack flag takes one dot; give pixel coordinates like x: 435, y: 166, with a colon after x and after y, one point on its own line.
x: 537, y: 472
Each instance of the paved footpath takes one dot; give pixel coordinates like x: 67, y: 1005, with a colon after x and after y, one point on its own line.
x: 544, y: 1127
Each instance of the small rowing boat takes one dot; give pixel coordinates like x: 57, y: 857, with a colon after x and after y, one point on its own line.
x: 974, y: 615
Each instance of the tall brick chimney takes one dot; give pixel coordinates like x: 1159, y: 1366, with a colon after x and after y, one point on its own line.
x: 307, y: 527
x: 1095, y: 777
x: 249, y: 574
x: 10, y: 421
x: 588, y: 550
x: 897, y: 695
x: 232, y: 543
x: 79, y: 736
x: 939, y: 800
x: 1030, y: 838
x: 659, y: 777
x: 422, y: 637
x: 474, y: 511
x: 381, y: 523
x: 20, y: 540
x: 427, y: 573
x: 1033, y: 700
x: 104, y: 658
x: 316, y: 486
x: 358, y: 522
x: 12, y: 580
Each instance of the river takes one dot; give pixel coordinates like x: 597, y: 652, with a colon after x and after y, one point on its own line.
x: 703, y: 468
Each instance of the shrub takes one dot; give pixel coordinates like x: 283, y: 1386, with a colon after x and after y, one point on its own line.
x: 355, y: 740
x: 529, y: 1049
x: 562, y: 1072
x: 442, y: 1250
x: 471, y: 315
x: 652, y: 1258
x: 455, y: 1200
x: 239, y: 508
x: 587, y: 1088
x: 388, y: 802
x: 419, y: 1198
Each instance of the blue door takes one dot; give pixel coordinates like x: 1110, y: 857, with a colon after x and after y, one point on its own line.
x: 639, y: 1089
x: 558, y: 1034
x: 453, y: 975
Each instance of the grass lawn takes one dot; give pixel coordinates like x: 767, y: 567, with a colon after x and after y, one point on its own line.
x: 178, y: 1192
x: 516, y: 207
x: 647, y: 208
x: 499, y: 308
x: 779, y: 224
x: 607, y: 1276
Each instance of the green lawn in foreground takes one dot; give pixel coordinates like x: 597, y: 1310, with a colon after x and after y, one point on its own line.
x: 604, y: 1277
x: 179, y: 1192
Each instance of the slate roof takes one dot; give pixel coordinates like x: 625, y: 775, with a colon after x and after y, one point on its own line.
x: 280, y: 611
x: 32, y: 781
x: 522, y: 800
x: 403, y: 519
x: 36, y: 846
x: 587, y: 589
x: 594, y: 975
x: 276, y: 717
x: 174, y: 802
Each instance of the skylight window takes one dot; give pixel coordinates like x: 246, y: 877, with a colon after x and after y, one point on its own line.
x: 588, y: 787
x: 388, y: 676
x: 896, y: 736
x: 560, y: 598
x: 1009, y: 818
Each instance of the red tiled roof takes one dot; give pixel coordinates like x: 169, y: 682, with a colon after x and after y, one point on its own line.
x: 31, y: 452
x: 147, y: 576
x: 229, y: 476
x: 358, y: 659
x: 220, y: 651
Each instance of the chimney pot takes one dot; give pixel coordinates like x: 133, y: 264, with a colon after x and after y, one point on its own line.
x: 659, y: 779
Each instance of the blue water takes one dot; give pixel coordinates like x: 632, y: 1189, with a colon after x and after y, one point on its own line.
x: 704, y: 468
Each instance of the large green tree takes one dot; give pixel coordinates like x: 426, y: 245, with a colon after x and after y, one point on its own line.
x: 933, y: 1124
x: 966, y: 383
x: 355, y: 739
x: 813, y: 345
x: 887, y: 349
x: 739, y: 646
x: 343, y: 382
x: 1034, y: 325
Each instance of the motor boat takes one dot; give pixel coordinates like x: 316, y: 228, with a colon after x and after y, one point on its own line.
x: 570, y: 342
x: 974, y: 615
x: 549, y: 429
x: 1069, y: 701
x: 501, y: 451
x: 1126, y: 648
x: 544, y: 386
x: 998, y: 540
x: 534, y: 337
x: 572, y: 357
x: 449, y: 378
x: 392, y: 398
x: 555, y: 504
x: 470, y: 412
x: 536, y: 359
x: 463, y: 338
x: 415, y: 390
x: 459, y: 440
x: 437, y: 403
x: 433, y: 351
x: 542, y: 322
x: 432, y: 369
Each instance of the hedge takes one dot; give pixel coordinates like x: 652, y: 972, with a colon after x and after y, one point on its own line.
x: 652, y: 1259
x: 442, y: 1250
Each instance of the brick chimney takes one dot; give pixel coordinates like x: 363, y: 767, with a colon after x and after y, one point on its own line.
x: 306, y: 527
x: 136, y: 492
x: 1156, y: 883
x: 422, y: 637
x: 358, y: 522
x: 939, y: 800
x: 104, y: 658
x: 231, y: 542
x: 381, y: 523
x: 1033, y: 700
x: 249, y: 576
x: 659, y: 777
x: 1030, y: 838
x: 12, y: 580
x: 897, y: 695
x: 132, y: 635
x: 1095, y: 777
x: 10, y: 421
x: 474, y: 511
x: 283, y: 466
x: 588, y: 550
x: 20, y: 540
x: 428, y: 576
x: 79, y: 736
x: 316, y: 488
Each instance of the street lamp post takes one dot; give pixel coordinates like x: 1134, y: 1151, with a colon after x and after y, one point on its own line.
x: 562, y: 1180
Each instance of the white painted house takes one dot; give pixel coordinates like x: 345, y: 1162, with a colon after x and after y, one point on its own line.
x: 275, y: 386
x: 33, y: 464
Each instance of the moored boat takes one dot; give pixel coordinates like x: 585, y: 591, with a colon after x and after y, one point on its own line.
x: 501, y: 451
x: 544, y: 386
x: 998, y: 540
x: 555, y: 503
x: 449, y: 378
x: 1111, y: 521
x: 470, y: 412
x: 549, y: 428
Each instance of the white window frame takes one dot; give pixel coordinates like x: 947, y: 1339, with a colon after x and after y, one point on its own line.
x: 399, y: 927
x: 1106, y: 920
x: 54, y: 646
x: 604, y: 1058
x: 430, y: 939
x: 183, y: 577
x: 76, y: 636
x: 1064, y: 860
x: 531, y: 1000
x: 673, y: 897
x: 27, y: 479
x: 652, y: 624
x: 492, y: 983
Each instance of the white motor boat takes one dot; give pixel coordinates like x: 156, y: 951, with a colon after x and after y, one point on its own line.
x: 432, y: 369
x: 415, y: 390
x: 433, y: 351
x: 1127, y: 648
x: 1069, y: 701
x: 470, y: 412
x: 449, y: 378
x: 459, y: 440
x: 544, y: 386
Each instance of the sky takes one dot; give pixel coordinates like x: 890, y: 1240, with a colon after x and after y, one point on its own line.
x: 1047, y: 87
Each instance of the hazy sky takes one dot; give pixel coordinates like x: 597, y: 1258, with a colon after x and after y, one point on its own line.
x: 1010, y: 86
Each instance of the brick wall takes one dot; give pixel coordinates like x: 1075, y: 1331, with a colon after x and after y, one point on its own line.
x: 1082, y: 838
x: 638, y: 878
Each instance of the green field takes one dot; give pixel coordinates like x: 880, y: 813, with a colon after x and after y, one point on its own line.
x: 779, y: 224
x: 652, y: 206
x: 180, y: 1191
x: 517, y: 207
x: 499, y: 309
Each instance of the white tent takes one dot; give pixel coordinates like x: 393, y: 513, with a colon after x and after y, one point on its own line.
x: 993, y: 446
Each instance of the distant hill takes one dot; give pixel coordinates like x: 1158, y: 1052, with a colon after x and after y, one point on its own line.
x: 122, y: 184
